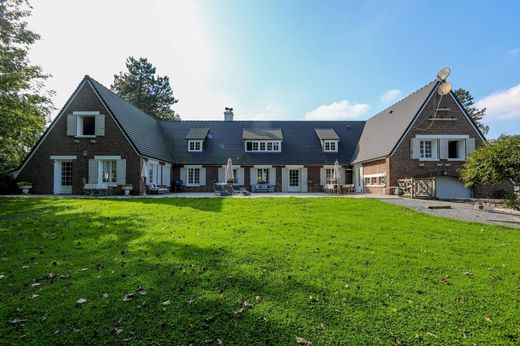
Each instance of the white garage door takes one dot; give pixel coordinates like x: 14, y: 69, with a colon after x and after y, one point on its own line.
x: 451, y: 188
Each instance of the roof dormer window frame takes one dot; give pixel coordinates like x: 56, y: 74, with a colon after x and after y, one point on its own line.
x: 330, y: 146
x: 263, y: 146
x: 195, y: 145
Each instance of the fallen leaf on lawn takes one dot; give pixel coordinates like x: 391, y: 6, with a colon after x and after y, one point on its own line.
x: 105, y: 295
x: 36, y: 284
x: 488, y: 319
x: 81, y: 301
x: 313, y: 299
x: 302, y: 341
x: 431, y: 334
x: 166, y: 302
x: 83, y: 269
x: 25, y: 267
x: 34, y: 296
x: 2, y: 276
x: 219, y: 342
x: 247, y: 304
x: 468, y: 273
x: 343, y: 298
x: 141, y: 291
x: 65, y: 276
x: 18, y: 322
x: 128, y: 297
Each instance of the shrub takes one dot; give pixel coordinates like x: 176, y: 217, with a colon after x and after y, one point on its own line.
x: 512, y: 201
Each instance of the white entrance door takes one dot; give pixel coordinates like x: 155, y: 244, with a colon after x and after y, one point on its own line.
x: 294, y: 180
x: 62, y: 177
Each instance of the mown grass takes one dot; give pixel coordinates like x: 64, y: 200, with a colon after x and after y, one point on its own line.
x: 332, y: 271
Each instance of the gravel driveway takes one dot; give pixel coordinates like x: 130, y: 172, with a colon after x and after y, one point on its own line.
x: 459, y: 210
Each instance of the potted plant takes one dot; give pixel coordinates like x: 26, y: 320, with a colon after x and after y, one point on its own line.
x: 25, y: 186
x: 127, y: 188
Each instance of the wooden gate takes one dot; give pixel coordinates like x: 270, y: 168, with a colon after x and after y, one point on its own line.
x: 418, y: 187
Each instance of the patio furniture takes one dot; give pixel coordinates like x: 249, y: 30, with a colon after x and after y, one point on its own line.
x: 263, y: 188
x: 97, y: 189
x: 330, y: 188
x: 178, y: 185
x: 240, y: 189
x: 347, y: 188
x: 222, y: 189
x: 153, y: 188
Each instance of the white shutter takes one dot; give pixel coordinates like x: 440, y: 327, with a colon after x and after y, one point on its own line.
x: 414, y: 148
x: 252, y: 175
x: 303, y: 183
x: 203, y: 176
x: 121, y: 172
x: 240, y: 172
x: 323, y: 176
x: 470, y: 145
x: 184, y: 175
x: 221, y: 174
x: 443, y: 149
x: 93, y: 171
x: 100, y: 125
x: 71, y: 124
x: 341, y: 179
x: 166, y: 175
x: 285, y: 179
x: 272, y: 176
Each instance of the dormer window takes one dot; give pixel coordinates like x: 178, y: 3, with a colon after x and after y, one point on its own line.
x: 263, y: 146
x: 262, y: 140
x: 329, y: 140
x: 195, y: 145
x: 85, y: 124
x: 330, y: 146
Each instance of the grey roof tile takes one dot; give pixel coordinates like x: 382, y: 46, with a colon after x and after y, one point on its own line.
x: 327, y: 134
x: 262, y: 133
x: 383, y: 131
x: 197, y: 133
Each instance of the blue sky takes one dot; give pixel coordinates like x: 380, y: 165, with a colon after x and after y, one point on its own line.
x: 291, y: 59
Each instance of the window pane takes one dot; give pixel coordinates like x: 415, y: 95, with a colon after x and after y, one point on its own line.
x: 66, y: 173
x: 89, y: 126
x: 249, y: 146
x: 270, y: 146
x: 276, y: 146
x: 255, y: 146
x: 453, y: 149
x: 262, y: 146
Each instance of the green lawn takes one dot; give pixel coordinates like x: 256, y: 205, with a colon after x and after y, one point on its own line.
x: 332, y: 271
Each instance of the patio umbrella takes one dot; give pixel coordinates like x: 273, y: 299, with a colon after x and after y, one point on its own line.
x: 229, y: 171
x: 336, y: 175
x: 144, y: 173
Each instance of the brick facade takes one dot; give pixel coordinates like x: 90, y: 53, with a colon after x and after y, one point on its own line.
x: 39, y: 169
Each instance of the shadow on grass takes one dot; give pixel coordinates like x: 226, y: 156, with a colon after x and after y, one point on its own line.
x: 193, y: 294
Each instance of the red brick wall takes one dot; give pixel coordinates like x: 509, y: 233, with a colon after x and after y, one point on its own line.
x: 40, y: 168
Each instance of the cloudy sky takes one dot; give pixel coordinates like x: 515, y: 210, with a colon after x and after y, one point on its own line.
x: 290, y: 59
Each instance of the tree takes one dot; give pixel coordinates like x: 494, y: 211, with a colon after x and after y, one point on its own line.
x: 149, y: 92
x: 475, y: 113
x: 491, y: 164
x: 25, y: 105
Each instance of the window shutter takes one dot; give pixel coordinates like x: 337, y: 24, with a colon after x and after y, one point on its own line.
x: 203, y: 176
x: 322, y: 176
x: 240, y: 171
x: 100, y: 125
x: 71, y: 124
x: 272, y: 176
x: 221, y: 174
x: 470, y: 145
x: 252, y: 174
x: 93, y: 171
x: 414, y: 148
x: 303, y: 183
x: 166, y: 175
x: 285, y: 179
x: 341, y: 179
x: 443, y: 151
x: 184, y: 175
x: 121, y: 172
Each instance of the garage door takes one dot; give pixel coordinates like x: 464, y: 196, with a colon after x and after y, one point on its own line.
x: 451, y: 188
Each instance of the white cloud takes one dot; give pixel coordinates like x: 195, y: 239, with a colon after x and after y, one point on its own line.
x: 339, y: 110
x: 391, y: 95
x: 503, y: 104
x: 513, y: 51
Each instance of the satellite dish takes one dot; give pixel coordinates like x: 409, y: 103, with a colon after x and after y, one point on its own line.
x: 444, y: 88
x: 443, y: 74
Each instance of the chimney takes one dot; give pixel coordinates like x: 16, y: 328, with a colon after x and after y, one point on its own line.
x: 228, y: 114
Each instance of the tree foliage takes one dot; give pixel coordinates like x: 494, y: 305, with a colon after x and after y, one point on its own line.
x: 144, y: 89
x: 492, y: 163
x: 475, y: 113
x: 25, y: 105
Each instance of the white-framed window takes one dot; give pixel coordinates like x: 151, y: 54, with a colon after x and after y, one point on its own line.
x: 262, y: 146
x: 427, y: 149
x: 235, y: 176
x: 330, y: 146
x: 86, y: 126
x: 107, y: 171
x: 193, y: 176
x: 329, y: 175
x: 262, y: 175
x: 195, y: 146
x: 456, y: 149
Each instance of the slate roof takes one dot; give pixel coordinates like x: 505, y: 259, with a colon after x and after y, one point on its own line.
x: 142, y: 130
x: 383, y: 131
x: 197, y: 133
x: 300, y: 144
x: 327, y: 134
x: 262, y: 134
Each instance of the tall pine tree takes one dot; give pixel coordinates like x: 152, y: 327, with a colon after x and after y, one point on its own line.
x: 144, y: 89
x: 475, y: 113
x: 25, y: 105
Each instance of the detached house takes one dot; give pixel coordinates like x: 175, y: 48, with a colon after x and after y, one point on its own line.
x: 99, y: 138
